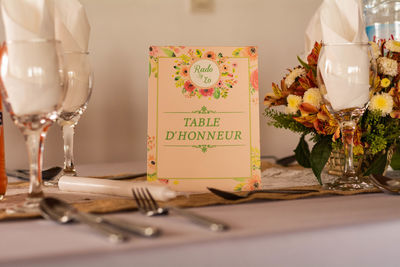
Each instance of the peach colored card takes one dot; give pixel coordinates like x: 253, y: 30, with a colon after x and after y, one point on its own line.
x: 203, y: 118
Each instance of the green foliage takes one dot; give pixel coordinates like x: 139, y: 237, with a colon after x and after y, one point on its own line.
x: 378, y: 165
x: 320, y: 155
x: 302, y: 153
x: 285, y: 121
x: 395, y: 163
x: 379, y: 132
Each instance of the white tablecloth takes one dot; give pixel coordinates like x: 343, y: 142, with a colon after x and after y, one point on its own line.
x: 360, y: 230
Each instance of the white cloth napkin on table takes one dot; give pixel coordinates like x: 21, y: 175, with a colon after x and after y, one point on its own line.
x: 71, y: 25
x: 341, y: 21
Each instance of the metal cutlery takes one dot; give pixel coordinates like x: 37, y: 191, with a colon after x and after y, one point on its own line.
x: 233, y: 196
x: 386, y: 184
x: 49, y: 174
x: 24, y: 174
x: 61, y: 212
x: 116, y: 230
x: 286, y: 161
x: 148, y: 206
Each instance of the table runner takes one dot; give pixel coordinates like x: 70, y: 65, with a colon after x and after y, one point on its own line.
x: 295, y: 176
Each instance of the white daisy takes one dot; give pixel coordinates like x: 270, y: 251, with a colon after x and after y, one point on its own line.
x: 313, y: 96
x: 387, y: 66
x: 382, y: 102
x: 293, y: 75
x: 294, y: 102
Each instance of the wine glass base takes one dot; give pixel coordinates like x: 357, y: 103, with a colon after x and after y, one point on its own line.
x: 348, y: 183
x: 31, y: 205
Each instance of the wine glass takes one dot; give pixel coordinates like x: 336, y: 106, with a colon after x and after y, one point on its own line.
x: 32, y: 90
x: 343, y: 76
x: 78, y: 85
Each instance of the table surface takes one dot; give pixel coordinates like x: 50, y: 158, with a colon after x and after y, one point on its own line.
x: 358, y: 230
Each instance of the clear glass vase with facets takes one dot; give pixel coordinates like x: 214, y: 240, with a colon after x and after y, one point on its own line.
x: 33, y: 92
x: 345, y: 73
x: 79, y: 81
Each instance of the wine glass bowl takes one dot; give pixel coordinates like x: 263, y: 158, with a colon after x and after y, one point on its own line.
x: 345, y: 75
x: 32, y: 89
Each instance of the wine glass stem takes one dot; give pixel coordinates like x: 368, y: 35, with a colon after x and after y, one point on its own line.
x: 68, y: 136
x: 348, y: 129
x: 34, y: 141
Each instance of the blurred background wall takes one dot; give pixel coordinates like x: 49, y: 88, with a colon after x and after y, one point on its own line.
x: 114, y: 126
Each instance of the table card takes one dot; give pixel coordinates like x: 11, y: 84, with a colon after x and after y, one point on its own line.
x: 203, y: 118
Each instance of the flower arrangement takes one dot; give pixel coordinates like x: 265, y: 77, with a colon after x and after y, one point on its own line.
x: 377, y: 132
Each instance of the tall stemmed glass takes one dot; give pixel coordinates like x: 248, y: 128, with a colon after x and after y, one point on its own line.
x: 344, y: 72
x: 79, y: 81
x: 33, y: 91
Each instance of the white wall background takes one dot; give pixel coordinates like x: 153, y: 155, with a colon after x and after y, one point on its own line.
x: 114, y: 126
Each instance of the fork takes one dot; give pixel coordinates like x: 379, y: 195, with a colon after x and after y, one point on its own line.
x: 148, y: 206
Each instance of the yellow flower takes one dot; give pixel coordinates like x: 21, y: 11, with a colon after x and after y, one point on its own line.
x: 393, y: 46
x: 385, y: 82
x: 294, y: 102
x: 313, y: 97
x: 382, y: 102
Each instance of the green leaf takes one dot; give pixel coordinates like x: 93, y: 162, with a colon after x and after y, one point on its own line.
x: 168, y: 52
x: 236, y: 52
x: 149, y: 69
x: 177, y: 78
x: 217, y: 93
x: 302, y: 153
x: 395, y: 163
x: 320, y: 155
x: 378, y: 165
x: 305, y: 65
x: 198, y: 53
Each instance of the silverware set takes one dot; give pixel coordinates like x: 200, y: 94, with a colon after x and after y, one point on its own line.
x: 116, y: 230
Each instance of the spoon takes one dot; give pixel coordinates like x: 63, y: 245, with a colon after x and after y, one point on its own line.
x: 61, y: 212
x: 387, y: 184
x: 232, y: 196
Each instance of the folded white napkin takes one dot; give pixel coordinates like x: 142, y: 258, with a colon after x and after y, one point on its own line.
x: 27, y: 19
x: 341, y: 21
x: 336, y: 21
x: 71, y: 25
x: 111, y: 187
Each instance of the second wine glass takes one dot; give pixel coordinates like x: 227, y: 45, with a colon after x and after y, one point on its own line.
x: 344, y: 74
x: 79, y: 81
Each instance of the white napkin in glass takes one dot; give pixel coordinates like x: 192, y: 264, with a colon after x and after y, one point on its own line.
x: 71, y: 25
x: 27, y: 19
x: 336, y: 21
x: 341, y: 21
